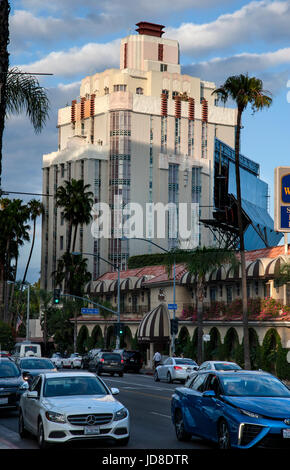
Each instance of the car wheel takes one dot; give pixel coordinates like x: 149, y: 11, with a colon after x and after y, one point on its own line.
x: 169, y: 378
x: 123, y: 442
x: 42, y: 443
x: 72, y: 365
x: 112, y: 375
x: 21, y: 428
x: 224, y: 441
x: 181, y: 434
x: 156, y: 378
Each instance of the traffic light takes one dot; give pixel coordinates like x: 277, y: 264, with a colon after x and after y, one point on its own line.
x: 119, y: 329
x: 174, y: 326
x: 56, y: 296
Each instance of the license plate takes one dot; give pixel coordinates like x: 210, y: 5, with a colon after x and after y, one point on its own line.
x: 114, y: 363
x: 89, y: 430
x: 3, y: 401
x: 286, y: 433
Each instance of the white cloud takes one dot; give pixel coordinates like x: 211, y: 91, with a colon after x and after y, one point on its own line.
x: 258, y: 21
x: 84, y: 60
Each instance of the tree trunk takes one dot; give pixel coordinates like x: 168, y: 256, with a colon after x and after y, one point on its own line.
x: 4, y: 64
x: 200, y: 290
x: 247, y: 361
x: 75, y: 238
x: 30, y: 254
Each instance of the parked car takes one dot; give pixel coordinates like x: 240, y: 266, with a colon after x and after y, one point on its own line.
x: 239, y: 409
x: 88, y: 357
x: 175, y: 368
x: 64, y: 406
x: 219, y: 365
x: 109, y: 362
x: 132, y: 359
x: 74, y: 361
x: 33, y: 366
x: 56, y: 360
x: 5, y: 354
x: 12, y: 384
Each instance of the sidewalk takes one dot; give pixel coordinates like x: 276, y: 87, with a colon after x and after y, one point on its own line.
x: 147, y: 371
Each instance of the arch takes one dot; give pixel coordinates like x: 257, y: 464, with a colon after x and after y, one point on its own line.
x: 255, y: 349
x: 97, y: 339
x: 231, y: 344
x: 183, y: 340
x: 83, y: 339
x: 212, y: 349
x: 110, y: 338
x: 270, y: 349
x: 126, y: 339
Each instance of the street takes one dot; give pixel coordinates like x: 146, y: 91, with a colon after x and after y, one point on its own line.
x: 149, y: 405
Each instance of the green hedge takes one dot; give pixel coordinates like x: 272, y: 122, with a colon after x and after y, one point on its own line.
x: 140, y: 261
x: 6, y: 337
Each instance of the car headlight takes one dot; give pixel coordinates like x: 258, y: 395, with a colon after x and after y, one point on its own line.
x: 249, y: 413
x: 24, y: 386
x: 55, y: 417
x: 121, y: 414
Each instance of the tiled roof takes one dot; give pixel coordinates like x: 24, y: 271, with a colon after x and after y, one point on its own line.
x: 159, y: 273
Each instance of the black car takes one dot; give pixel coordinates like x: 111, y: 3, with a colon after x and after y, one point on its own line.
x: 12, y: 384
x: 132, y: 359
x: 32, y: 366
x: 88, y: 357
x: 109, y: 362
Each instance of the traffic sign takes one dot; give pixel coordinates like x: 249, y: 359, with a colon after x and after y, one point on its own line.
x: 90, y: 311
x: 282, y: 199
x: 172, y: 306
x: 206, y: 338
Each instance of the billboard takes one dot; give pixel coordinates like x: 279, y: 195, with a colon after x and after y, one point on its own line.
x: 282, y: 199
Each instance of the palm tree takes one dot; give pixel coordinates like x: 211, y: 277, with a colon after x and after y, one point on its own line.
x: 4, y: 64
x: 76, y: 201
x: 243, y: 90
x: 36, y: 209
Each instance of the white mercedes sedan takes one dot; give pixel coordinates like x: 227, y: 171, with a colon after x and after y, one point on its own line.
x: 175, y: 368
x: 66, y: 406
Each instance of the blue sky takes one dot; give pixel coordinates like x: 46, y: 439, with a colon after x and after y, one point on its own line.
x: 217, y: 39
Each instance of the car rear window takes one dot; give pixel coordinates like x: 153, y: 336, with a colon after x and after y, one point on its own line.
x: 188, y: 362
x: 111, y: 357
x: 226, y: 366
x: 36, y: 364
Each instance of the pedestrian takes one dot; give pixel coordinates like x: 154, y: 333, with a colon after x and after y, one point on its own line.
x: 182, y: 355
x: 156, y: 359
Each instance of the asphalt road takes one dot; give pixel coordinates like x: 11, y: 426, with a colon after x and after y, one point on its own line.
x: 149, y: 405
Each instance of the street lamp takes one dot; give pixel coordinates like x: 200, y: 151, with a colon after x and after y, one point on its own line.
x: 174, y: 279
x: 27, y: 305
x: 76, y: 253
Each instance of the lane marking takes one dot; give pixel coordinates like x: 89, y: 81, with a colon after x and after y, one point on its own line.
x: 160, y: 414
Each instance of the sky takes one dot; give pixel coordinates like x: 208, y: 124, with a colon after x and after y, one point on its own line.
x: 73, y: 39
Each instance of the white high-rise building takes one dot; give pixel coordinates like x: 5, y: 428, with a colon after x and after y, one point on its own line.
x: 143, y: 132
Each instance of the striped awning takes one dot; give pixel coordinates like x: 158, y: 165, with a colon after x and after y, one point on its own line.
x: 155, y: 326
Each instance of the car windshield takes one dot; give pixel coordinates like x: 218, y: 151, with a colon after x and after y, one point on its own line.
x: 70, y: 386
x: 188, y: 362
x: 254, y: 386
x: 36, y: 364
x: 220, y: 366
x: 30, y: 348
x: 8, y: 369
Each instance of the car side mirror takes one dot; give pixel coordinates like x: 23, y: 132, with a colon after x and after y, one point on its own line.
x: 32, y: 395
x: 209, y: 394
x: 115, y: 391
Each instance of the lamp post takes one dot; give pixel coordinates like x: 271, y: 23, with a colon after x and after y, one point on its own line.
x: 75, y: 253
x: 174, y: 280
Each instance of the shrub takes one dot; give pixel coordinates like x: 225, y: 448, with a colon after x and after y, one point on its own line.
x: 6, y: 337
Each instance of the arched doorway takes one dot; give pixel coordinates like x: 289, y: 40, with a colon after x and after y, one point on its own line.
x: 271, y: 345
x: 126, y: 339
x: 231, y: 344
x: 183, y: 342
x: 255, y: 349
x: 97, y: 339
x: 212, y: 348
x: 111, y: 338
x: 83, y: 340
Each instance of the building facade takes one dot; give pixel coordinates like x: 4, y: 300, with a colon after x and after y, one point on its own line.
x: 144, y: 133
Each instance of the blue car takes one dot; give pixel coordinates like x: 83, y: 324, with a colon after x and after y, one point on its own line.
x: 238, y: 409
